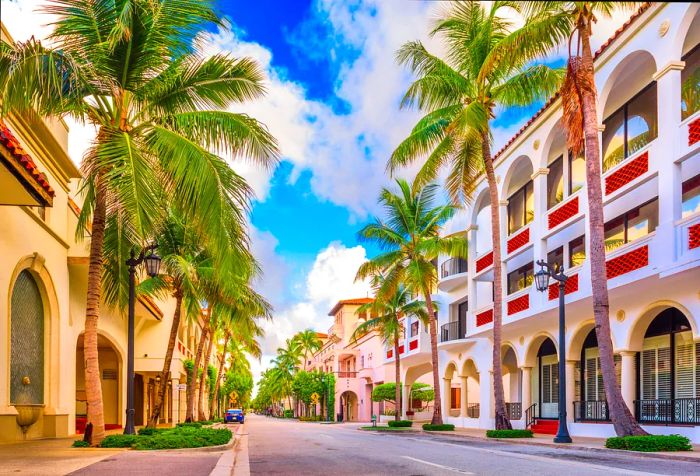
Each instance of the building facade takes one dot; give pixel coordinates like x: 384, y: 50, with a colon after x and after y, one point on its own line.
x: 647, y: 76
x: 43, y: 280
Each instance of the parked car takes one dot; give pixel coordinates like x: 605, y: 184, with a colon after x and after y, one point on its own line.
x: 234, y: 415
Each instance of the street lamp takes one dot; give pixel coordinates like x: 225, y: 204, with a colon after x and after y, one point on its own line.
x: 542, y: 284
x: 152, y: 262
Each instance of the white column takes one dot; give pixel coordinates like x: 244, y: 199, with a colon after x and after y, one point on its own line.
x: 526, y: 397
x: 503, y: 213
x: 405, y: 392
x: 471, y: 269
x: 175, y: 402
x: 486, y: 400
x: 446, y: 397
x: 629, y: 378
x: 539, y: 227
x: 464, y: 400
x: 570, y: 387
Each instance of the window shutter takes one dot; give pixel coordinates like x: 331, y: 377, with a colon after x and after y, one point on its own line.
x: 685, y: 365
x: 555, y: 386
x: 546, y: 384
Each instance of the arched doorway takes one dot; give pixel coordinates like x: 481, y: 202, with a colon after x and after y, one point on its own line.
x: 668, y: 371
x: 110, y: 364
x: 348, y: 406
x: 26, y: 342
x: 547, y: 377
x: 590, y: 402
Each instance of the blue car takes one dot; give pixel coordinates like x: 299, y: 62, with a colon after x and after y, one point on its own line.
x: 234, y: 415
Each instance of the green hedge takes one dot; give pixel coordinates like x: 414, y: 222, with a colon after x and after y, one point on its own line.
x: 185, y: 436
x: 289, y: 413
x: 649, y: 443
x: 119, y: 441
x: 443, y: 427
x: 80, y: 444
x: 146, y: 431
x: 400, y: 423
x: 509, y: 433
x: 310, y: 418
x: 191, y: 424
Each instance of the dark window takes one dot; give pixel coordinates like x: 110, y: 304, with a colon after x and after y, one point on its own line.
x: 414, y: 328
x: 577, y: 173
x: 630, y: 128
x: 555, y: 182
x: 632, y: 225
x: 555, y: 258
x: 690, y: 199
x: 690, y: 84
x: 577, y: 251
x: 521, y: 208
x: 521, y: 278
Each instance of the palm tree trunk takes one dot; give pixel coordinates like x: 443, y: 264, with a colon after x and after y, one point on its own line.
x: 203, y: 381
x: 502, y: 421
x: 192, y: 384
x: 397, y: 362
x: 93, y: 384
x: 437, y: 404
x: 621, y: 416
x: 221, y: 371
x: 167, y: 362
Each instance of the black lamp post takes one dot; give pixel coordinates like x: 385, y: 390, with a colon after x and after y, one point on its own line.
x: 542, y: 283
x: 152, y: 262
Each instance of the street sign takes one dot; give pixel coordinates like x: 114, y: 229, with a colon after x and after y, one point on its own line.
x: 315, y: 398
x: 182, y: 386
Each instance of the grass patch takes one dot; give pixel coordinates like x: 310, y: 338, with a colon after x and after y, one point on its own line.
x: 385, y: 428
x: 80, y: 444
x: 509, y: 433
x: 443, y: 427
x: 400, y: 423
x: 310, y: 418
x: 185, y: 436
x: 191, y: 424
x: 649, y: 443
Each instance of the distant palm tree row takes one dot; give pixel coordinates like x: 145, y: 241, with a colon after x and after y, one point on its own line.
x: 137, y: 72
x: 488, y: 65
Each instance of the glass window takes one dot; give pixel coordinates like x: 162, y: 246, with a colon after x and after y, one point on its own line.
x: 555, y: 182
x: 632, y: 225
x: 414, y: 328
x: 555, y: 258
x: 630, y: 128
x: 521, y: 278
x: 577, y: 251
x: 577, y: 173
x: 690, y: 200
x: 690, y: 84
x: 521, y: 208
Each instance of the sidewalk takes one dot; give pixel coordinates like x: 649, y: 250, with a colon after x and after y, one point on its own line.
x: 581, y: 443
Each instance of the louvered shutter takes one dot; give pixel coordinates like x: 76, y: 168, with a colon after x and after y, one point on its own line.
x: 685, y: 365
x: 546, y: 384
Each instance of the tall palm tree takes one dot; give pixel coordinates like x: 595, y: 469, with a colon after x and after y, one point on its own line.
x: 387, y: 313
x: 133, y: 69
x: 411, y: 242
x: 461, y: 95
x: 554, y: 23
x: 285, y: 366
x: 309, y: 343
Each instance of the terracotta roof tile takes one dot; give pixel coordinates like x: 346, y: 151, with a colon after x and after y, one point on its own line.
x: 349, y: 302
x: 12, y: 144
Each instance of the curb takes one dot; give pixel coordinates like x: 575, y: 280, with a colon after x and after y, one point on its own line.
x: 520, y: 441
x: 225, y: 464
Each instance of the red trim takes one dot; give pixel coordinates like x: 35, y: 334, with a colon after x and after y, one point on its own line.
x: 631, y: 261
x: 563, y: 213
x: 401, y: 349
x: 519, y: 304
x: 519, y: 240
x: 627, y: 173
x: 389, y: 354
x: 694, y: 237
x: 413, y: 345
x: 571, y: 286
x: 14, y: 147
x: 484, y: 317
x: 694, y: 131
x: 484, y: 262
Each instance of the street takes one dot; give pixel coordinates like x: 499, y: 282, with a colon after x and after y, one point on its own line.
x: 277, y: 446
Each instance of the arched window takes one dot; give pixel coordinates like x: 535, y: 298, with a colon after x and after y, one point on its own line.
x: 26, y: 342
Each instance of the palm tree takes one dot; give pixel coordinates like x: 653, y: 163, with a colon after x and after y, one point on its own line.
x: 386, y: 318
x: 134, y: 71
x: 410, y: 238
x: 553, y: 23
x: 308, y: 342
x: 285, y: 366
x: 460, y: 95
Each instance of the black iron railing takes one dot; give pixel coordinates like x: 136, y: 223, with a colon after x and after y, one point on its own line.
x: 473, y: 410
x: 670, y: 410
x: 514, y: 410
x: 591, y: 410
x: 450, y: 331
x: 344, y: 374
x: 453, y: 266
x: 530, y: 415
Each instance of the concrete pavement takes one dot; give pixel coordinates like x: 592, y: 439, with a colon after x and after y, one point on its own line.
x: 278, y: 446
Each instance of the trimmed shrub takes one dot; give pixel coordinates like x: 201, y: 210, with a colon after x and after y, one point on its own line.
x: 191, y: 424
x: 649, y: 443
x: 146, y: 431
x: 400, y: 423
x: 119, y: 441
x: 443, y: 427
x: 80, y: 444
x: 310, y: 418
x: 289, y: 413
x: 509, y: 433
x: 184, y: 438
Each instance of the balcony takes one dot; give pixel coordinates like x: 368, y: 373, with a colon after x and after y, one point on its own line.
x: 452, y: 274
x: 591, y: 410
x: 451, y: 331
x: 346, y: 374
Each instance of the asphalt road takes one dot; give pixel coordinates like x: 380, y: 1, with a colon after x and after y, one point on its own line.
x: 278, y: 446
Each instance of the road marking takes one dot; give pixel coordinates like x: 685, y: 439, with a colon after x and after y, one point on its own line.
x: 441, y: 466
x: 545, y: 459
x: 326, y: 436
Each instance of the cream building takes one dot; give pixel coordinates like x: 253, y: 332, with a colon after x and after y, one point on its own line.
x: 43, y: 276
